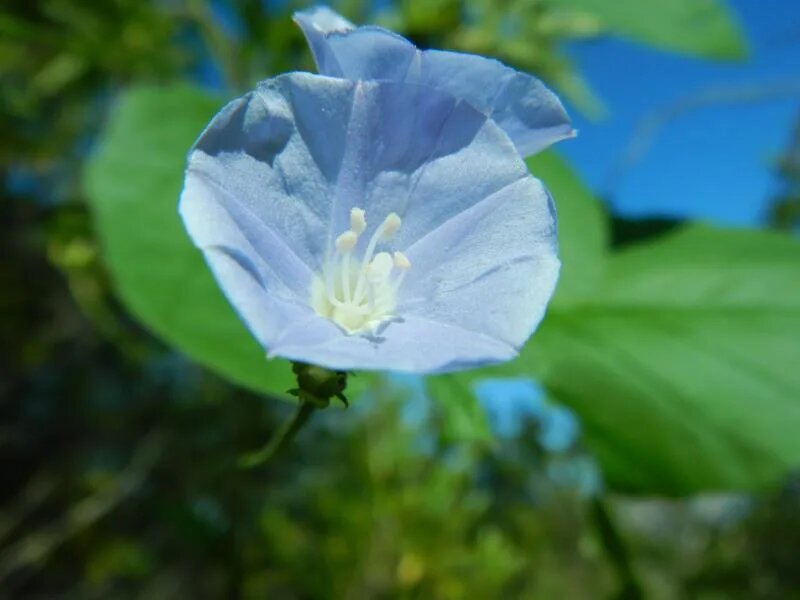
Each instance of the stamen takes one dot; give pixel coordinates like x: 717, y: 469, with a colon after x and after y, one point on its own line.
x: 384, y: 232
x: 358, y: 220
x: 329, y: 286
x: 347, y: 241
x: 370, y: 298
x: 344, y: 244
x: 402, y: 264
x: 367, y: 300
x: 391, y: 225
x: 401, y: 261
x: 380, y: 267
x: 347, y: 292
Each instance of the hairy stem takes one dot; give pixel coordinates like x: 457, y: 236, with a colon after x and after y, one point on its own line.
x: 281, y: 438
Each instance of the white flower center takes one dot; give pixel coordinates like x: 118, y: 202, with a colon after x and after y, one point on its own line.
x: 359, y: 295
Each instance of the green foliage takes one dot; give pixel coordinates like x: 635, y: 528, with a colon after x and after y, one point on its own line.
x: 124, y: 486
x: 703, y: 28
x: 56, y: 57
x: 462, y: 417
x: 133, y: 186
x: 119, y: 456
x: 368, y: 530
x: 680, y: 363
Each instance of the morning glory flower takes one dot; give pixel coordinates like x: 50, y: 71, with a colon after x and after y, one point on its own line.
x: 371, y: 225
x: 531, y: 115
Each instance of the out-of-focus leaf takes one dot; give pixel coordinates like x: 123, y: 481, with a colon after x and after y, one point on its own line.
x: 702, y: 28
x: 683, y: 364
x: 133, y: 184
x: 463, y: 417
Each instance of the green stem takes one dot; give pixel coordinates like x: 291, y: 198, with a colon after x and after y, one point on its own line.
x: 281, y: 438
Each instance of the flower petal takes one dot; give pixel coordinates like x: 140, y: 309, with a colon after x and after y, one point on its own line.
x: 253, y: 159
x: 262, y: 310
x: 491, y: 268
x: 317, y: 23
x: 526, y: 109
x: 412, y: 344
x: 218, y: 222
x: 531, y: 115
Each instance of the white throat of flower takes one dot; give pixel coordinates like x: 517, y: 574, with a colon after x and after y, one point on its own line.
x: 359, y: 295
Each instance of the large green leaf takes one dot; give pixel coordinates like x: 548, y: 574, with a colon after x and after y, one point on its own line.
x: 702, y: 28
x: 682, y: 364
x: 133, y: 185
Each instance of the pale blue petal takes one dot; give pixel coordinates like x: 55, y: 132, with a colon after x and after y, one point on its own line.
x: 531, y: 114
x: 411, y: 344
x: 254, y: 161
x: 421, y: 154
x: 522, y: 105
x: 219, y: 222
x: 317, y: 23
x: 263, y: 311
x: 270, y: 184
x: 491, y: 268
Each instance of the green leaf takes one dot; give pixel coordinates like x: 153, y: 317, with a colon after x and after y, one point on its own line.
x: 703, y: 28
x: 133, y: 185
x: 463, y: 417
x: 683, y: 365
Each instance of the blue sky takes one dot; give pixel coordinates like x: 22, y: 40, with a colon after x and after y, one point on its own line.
x: 713, y: 163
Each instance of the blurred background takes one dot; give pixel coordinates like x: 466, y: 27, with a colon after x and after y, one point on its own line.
x: 119, y: 453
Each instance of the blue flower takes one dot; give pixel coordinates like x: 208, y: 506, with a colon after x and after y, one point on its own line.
x: 373, y: 224
x: 510, y: 400
x: 531, y: 115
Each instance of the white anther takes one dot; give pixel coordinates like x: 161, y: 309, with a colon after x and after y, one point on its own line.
x: 358, y: 220
x: 391, y: 225
x: 357, y: 290
x: 401, y: 261
x: 379, y: 268
x: 347, y: 241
